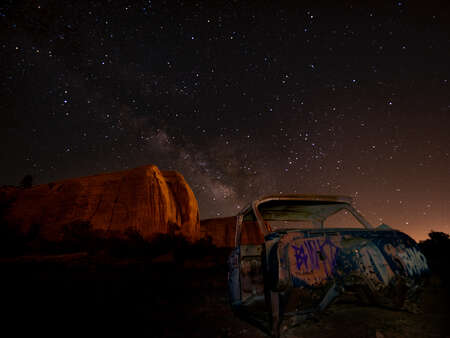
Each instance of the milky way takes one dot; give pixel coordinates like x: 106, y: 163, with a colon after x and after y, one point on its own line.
x: 243, y: 99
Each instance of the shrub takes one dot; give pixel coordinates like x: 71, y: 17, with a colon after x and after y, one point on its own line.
x: 27, y: 181
x: 437, y: 251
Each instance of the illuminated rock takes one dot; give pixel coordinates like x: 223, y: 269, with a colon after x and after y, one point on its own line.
x: 144, y: 198
x: 220, y: 230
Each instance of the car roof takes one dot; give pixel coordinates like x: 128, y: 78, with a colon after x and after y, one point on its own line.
x: 308, y: 197
x: 298, y: 197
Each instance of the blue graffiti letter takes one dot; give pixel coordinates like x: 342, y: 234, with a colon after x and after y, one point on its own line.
x: 300, y: 256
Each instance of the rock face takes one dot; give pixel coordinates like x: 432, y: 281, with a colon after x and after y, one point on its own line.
x: 144, y: 198
x: 220, y: 230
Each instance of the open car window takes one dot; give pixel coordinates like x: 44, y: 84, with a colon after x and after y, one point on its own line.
x: 285, y: 225
x: 251, y: 233
x: 342, y: 219
x: 297, y: 214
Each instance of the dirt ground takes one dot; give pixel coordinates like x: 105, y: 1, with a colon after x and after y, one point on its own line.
x: 83, y: 294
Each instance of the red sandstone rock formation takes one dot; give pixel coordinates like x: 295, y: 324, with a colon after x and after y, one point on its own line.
x: 144, y: 198
x: 222, y: 232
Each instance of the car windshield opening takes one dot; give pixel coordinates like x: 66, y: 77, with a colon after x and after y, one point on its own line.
x: 298, y: 214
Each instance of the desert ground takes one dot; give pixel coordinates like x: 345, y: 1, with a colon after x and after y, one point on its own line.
x: 176, y: 296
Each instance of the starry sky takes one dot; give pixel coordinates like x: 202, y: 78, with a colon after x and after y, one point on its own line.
x: 244, y: 98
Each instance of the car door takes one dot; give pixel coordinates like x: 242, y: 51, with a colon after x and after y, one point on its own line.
x: 246, y: 275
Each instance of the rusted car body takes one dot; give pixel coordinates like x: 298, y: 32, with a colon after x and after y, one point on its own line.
x: 294, y: 254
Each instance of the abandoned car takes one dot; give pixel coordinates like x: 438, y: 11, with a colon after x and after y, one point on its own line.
x: 294, y: 254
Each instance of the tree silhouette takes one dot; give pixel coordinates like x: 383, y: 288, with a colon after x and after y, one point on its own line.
x: 27, y: 181
x: 437, y: 251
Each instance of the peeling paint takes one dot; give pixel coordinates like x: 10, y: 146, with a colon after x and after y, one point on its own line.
x: 411, y: 259
x: 374, y: 265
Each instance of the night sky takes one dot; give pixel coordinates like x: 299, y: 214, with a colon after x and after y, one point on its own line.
x: 243, y: 98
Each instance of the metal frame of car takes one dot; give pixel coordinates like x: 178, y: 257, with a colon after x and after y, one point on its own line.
x: 265, y: 228
x: 365, y: 231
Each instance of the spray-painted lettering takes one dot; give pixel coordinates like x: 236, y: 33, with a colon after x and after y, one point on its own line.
x: 311, y: 255
x: 414, y: 261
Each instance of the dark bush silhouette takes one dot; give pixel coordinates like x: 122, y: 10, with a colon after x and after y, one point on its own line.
x: 27, y: 181
x: 12, y: 242
x: 77, y: 231
x: 80, y: 236
x: 77, y: 236
x: 437, y: 251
